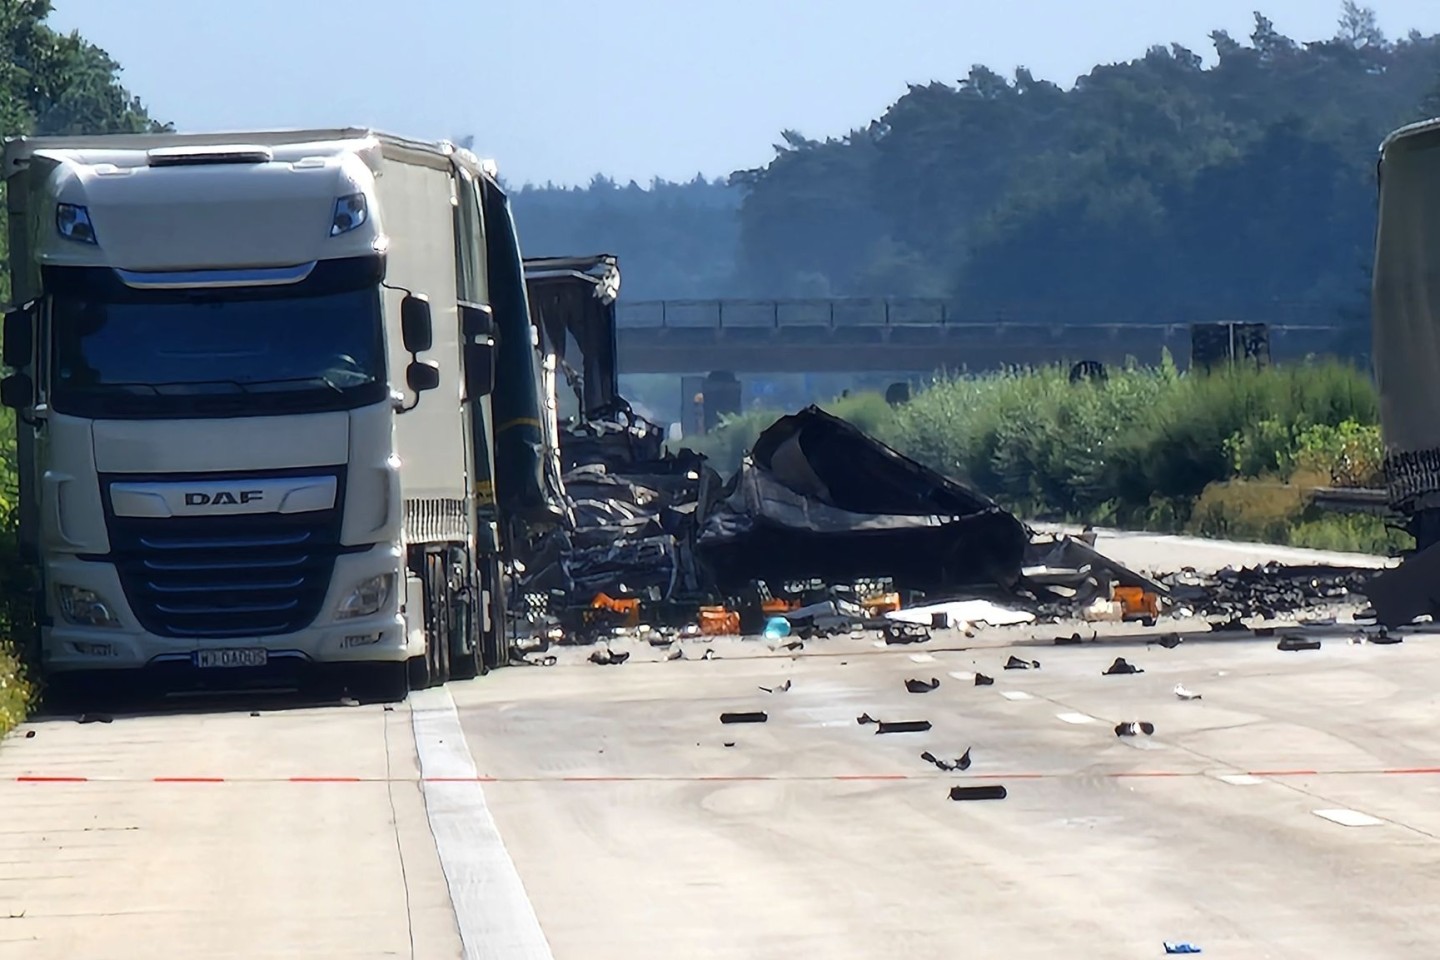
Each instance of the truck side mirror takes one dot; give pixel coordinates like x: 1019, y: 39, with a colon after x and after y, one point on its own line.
x: 422, y: 375
x: 477, y: 321
x: 19, y: 334
x: 17, y: 391
x: 416, y: 329
x: 479, y: 369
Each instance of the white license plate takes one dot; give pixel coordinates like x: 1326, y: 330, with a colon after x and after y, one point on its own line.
x: 248, y: 657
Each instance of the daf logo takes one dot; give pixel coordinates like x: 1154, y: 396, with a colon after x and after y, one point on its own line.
x: 223, y: 498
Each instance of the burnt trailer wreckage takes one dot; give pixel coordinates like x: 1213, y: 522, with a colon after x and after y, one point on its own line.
x: 822, y: 525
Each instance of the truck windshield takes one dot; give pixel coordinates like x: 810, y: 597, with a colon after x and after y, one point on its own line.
x: 217, y: 353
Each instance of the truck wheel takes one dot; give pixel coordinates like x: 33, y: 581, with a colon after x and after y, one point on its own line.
x: 438, y: 614
x: 379, y: 682
x: 417, y: 671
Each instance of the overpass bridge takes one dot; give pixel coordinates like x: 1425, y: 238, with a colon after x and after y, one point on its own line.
x: 924, y: 335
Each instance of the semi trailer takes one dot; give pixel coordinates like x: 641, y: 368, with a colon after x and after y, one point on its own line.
x: 279, y: 405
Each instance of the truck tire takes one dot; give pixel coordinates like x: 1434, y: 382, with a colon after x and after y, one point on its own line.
x: 379, y: 682
x: 433, y: 667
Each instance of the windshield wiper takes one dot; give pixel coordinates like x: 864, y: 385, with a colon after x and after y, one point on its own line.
x: 318, y: 379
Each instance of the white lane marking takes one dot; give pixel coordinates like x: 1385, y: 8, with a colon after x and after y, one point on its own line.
x: 962, y: 675
x: 921, y: 658
x: 493, y: 911
x: 1241, y: 779
x: 1015, y: 695
x: 1075, y: 718
x: 1348, y: 818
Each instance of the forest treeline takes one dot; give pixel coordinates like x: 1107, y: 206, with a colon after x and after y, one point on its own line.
x: 1239, y: 182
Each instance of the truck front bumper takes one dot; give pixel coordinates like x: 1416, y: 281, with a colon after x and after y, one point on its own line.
x: 67, y: 647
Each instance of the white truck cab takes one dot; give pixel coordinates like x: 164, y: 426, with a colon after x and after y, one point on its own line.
x: 252, y: 379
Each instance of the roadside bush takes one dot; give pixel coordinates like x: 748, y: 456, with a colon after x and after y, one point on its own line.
x: 15, y: 620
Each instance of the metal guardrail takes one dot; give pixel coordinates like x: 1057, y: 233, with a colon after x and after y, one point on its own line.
x: 916, y: 312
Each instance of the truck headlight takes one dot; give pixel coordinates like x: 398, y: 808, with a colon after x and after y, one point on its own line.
x: 84, y: 608
x: 350, y: 212
x: 73, y: 222
x: 367, y: 599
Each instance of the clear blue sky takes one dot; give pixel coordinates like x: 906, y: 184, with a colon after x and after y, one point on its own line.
x: 561, y: 89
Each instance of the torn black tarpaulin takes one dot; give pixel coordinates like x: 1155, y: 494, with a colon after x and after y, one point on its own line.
x: 817, y: 497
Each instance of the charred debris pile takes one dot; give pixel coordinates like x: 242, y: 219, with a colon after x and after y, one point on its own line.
x: 822, y: 527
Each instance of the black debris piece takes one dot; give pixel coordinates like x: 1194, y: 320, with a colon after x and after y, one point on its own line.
x: 983, y: 681
x: 897, y: 631
x: 865, y: 718
x: 817, y: 497
x: 1170, y: 641
x: 920, y: 686
x: 1233, y: 625
x: 793, y: 645
x: 30, y: 734
x: 1015, y: 663
x: 729, y: 743
x: 902, y: 726
x: 608, y: 657
x: 1293, y: 643
x: 1264, y: 631
x: 1073, y: 640
x: 1384, y: 637
x: 675, y: 654
x: 658, y: 639
x: 709, y: 654
x: 753, y: 716
x: 991, y: 792
x: 961, y: 763
x: 929, y: 757
x: 1132, y: 727
x: 95, y: 718
x: 780, y: 689
x: 1121, y: 666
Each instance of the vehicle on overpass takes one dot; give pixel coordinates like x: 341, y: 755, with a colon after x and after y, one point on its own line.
x: 260, y: 424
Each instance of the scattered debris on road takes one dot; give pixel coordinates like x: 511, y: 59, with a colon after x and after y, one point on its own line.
x: 1185, y: 694
x: 1292, y: 643
x: 780, y: 689
x: 608, y: 657
x: 920, y: 686
x: 752, y: 716
x: 1015, y: 663
x: 1120, y: 667
x: 902, y: 726
x: 995, y: 792
x: 983, y: 681
x: 905, y: 633
x: 961, y: 763
x: 1131, y: 727
x: 1181, y: 948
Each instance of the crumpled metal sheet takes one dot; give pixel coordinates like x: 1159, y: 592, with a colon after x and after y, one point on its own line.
x: 818, y: 498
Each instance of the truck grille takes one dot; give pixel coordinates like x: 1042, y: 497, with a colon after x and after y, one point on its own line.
x: 250, y: 575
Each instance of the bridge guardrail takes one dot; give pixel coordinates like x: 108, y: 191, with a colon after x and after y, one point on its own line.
x: 842, y: 313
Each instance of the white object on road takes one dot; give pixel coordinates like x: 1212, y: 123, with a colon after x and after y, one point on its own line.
x: 960, y: 612
x: 1185, y: 694
x: 1075, y: 718
x: 1348, y: 818
x: 492, y: 909
x: 1015, y: 695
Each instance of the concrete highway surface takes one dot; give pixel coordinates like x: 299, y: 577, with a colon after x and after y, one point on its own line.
x: 580, y: 811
